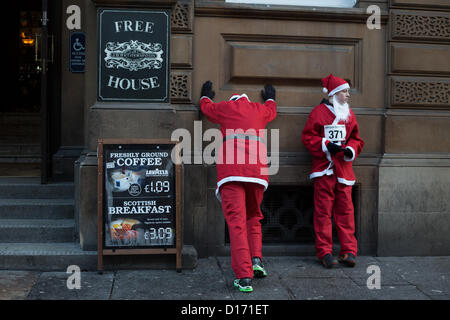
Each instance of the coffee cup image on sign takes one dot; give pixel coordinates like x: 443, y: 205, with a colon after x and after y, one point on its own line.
x: 120, y: 181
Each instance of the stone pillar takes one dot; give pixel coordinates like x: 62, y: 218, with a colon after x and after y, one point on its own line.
x: 414, y: 173
x: 136, y: 120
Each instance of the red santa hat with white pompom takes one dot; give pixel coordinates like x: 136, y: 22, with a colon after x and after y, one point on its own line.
x: 332, y: 85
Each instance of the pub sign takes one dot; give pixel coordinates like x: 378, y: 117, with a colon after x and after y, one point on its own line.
x: 133, y: 55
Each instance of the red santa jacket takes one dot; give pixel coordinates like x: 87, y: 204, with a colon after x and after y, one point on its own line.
x: 324, y: 163
x: 243, y: 154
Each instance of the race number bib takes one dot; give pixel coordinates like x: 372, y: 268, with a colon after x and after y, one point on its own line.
x: 335, y: 132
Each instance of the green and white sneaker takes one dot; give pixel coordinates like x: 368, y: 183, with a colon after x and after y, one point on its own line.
x: 244, y: 284
x: 258, y: 268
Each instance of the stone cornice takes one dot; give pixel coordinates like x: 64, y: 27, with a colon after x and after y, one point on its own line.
x: 258, y: 11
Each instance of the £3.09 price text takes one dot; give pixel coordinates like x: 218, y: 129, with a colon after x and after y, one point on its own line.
x: 160, y: 233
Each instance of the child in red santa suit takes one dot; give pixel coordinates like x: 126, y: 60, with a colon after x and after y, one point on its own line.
x: 331, y: 135
x: 241, y: 184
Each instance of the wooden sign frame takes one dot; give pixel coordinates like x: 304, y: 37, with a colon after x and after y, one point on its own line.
x: 101, y: 251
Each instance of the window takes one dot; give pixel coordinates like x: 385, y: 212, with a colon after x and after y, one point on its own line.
x: 312, y: 3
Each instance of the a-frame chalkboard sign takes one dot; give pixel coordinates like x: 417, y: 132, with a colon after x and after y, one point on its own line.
x: 139, y: 198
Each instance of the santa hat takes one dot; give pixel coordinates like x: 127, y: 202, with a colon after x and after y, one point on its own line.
x: 237, y: 96
x: 332, y: 85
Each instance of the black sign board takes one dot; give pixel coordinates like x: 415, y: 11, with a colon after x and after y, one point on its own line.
x: 77, y: 51
x: 139, y: 191
x: 133, y: 55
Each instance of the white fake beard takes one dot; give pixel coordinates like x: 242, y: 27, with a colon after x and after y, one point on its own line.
x: 342, y: 110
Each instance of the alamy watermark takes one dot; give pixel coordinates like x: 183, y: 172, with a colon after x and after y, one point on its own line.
x: 374, y: 21
x: 242, y: 147
x: 74, y: 280
x: 374, y: 280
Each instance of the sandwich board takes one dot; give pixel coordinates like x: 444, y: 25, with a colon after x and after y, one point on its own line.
x: 139, y: 198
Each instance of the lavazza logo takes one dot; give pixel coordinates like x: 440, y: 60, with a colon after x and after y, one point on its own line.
x: 133, y: 55
x: 156, y: 173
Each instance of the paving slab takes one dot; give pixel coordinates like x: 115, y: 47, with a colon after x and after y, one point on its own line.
x: 268, y: 288
x: 15, y: 285
x: 327, y: 289
x: 289, y: 278
x: 203, y: 282
x: 428, y: 264
x: 431, y: 275
x: 303, y: 267
x: 53, y: 286
x: 397, y: 292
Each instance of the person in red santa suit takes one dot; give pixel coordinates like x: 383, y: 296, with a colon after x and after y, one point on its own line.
x: 242, y: 175
x: 331, y: 135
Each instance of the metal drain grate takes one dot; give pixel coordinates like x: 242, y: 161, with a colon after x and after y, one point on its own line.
x: 288, y: 215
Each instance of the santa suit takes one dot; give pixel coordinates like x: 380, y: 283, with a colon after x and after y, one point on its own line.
x: 241, y: 173
x: 333, y: 177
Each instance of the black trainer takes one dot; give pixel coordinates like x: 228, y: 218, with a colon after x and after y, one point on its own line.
x: 244, y: 284
x: 329, y: 261
x: 348, y: 259
x: 258, y: 268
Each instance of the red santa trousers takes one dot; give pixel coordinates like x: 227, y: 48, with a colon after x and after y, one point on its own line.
x: 332, y: 198
x: 241, y: 203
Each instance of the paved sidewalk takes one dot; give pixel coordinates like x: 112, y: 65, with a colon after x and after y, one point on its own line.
x: 290, y: 278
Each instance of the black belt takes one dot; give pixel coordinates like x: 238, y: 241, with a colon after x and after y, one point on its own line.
x: 243, y: 136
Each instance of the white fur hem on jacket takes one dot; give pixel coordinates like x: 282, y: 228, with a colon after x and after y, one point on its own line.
x: 329, y: 172
x: 240, y: 179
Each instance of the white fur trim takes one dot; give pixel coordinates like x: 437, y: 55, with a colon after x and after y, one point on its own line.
x: 346, y: 182
x: 206, y: 98
x: 268, y: 100
x: 237, y: 96
x: 339, y: 88
x: 324, y: 146
x: 240, y: 179
x: 352, y: 158
x: 327, y: 172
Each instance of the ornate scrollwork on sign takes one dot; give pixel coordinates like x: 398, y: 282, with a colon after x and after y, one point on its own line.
x: 421, y: 26
x: 133, y: 55
x: 420, y: 93
x: 181, y: 17
x: 179, y: 87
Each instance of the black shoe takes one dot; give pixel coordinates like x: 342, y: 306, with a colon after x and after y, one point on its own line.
x: 258, y: 268
x: 348, y: 259
x: 244, y: 284
x: 329, y: 261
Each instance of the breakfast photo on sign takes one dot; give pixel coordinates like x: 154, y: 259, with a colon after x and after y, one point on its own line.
x: 124, y: 229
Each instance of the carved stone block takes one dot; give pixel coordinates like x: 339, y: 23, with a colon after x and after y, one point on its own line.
x: 180, y: 87
x: 182, y: 16
x: 417, y: 92
x: 420, y: 25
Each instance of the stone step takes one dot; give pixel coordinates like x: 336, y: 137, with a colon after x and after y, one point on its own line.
x: 37, y: 208
x: 20, y: 170
x: 19, y: 132
x: 20, y: 159
x: 58, y: 256
x: 22, y: 121
x: 38, y: 230
x: 33, y: 149
x: 20, y: 118
x: 45, y: 256
x: 25, y: 138
x: 31, y: 188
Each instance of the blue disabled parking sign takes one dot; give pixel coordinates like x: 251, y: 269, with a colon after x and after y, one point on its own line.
x: 77, y: 51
